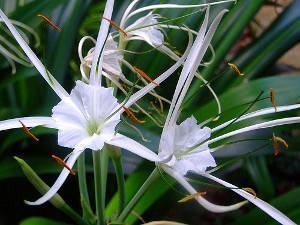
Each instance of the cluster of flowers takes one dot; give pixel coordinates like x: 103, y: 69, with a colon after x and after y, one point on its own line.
x: 87, y: 117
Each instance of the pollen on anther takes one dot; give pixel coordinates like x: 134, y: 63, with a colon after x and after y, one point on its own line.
x: 276, y: 142
x: 48, y: 20
x: 251, y: 191
x: 132, y: 116
x: 193, y: 196
x: 115, y: 25
x: 27, y: 131
x: 235, y: 69
x: 62, y: 163
x: 144, y: 75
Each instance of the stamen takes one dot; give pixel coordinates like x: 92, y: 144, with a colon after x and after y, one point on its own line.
x: 276, y: 141
x: 62, y: 163
x: 235, y: 69
x: 144, y: 75
x: 46, y: 19
x: 132, y: 116
x: 251, y: 191
x: 190, y: 197
x: 27, y: 131
x: 115, y: 25
x: 272, y: 96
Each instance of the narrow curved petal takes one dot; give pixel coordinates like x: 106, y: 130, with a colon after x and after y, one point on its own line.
x: 139, y: 94
x: 128, y: 144
x: 274, y: 123
x: 126, y: 13
x: 59, y: 182
x: 190, y: 63
x: 267, y: 208
x: 260, y: 112
x: 174, y: 6
x: 202, y: 201
x: 199, y: 56
x: 28, y: 122
x: 101, y: 39
x: 59, y: 90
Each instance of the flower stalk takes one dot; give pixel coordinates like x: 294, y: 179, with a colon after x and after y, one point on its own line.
x: 83, y: 184
x: 115, y: 154
x: 98, y: 188
x: 152, y: 177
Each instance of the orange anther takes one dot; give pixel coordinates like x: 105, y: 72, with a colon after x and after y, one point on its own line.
x: 132, y: 116
x: 144, y: 75
x: 27, y: 131
x: 276, y: 141
x: 251, y: 191
x: 46, y: 19
x: 272, y: 96
x: 62, y: 163
x: 115, y: 25
x: 190, y: 197
x: 235, y: 69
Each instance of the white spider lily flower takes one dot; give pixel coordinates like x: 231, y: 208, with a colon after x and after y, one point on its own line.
x: 112, y: 57
x: 146, y: 29
x: 186, y: 146
x: 87, y: 117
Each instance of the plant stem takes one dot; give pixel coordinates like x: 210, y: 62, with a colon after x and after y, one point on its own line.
x: 115, y: 154
x: 98, y: 188
x: 82, y: 182
x: 152, y: 177
x: 104, y: 167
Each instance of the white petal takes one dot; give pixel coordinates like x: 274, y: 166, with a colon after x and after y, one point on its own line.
x: 112, y: 57
x: 195, y: 162
x: 202, y: 201
x: 98, y: 102
x: 274, y: 123
x: 102, y: 36
x: 146, y: 28
x: 94, y: 142
x: 260, y: 112
x: 127, y: 11
x: 174, y: 6
x: 59, y: 90
x: 267, y: 208
x: 195, y: 58
x: 128, y: 144
x: 59, y: 182
x: 28, y: 122
x: 189, y: 134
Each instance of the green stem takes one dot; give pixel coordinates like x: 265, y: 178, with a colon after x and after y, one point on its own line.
x: 82, y: 183
x: 104, y: 168
x: 98, y: 188
x: 152, y: 177
x: 115, y: 154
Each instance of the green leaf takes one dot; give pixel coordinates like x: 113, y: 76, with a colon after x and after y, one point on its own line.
x: 259, y: 173
x: 286, y: 88
x: 40, y: 221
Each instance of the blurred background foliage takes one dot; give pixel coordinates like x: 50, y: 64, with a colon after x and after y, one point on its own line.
x: 259, y: 36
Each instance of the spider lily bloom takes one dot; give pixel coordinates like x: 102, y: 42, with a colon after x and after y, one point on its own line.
x: 112, y: 58
x: 10, y: 52
x: 186, y: 146
x: 87, y: 117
